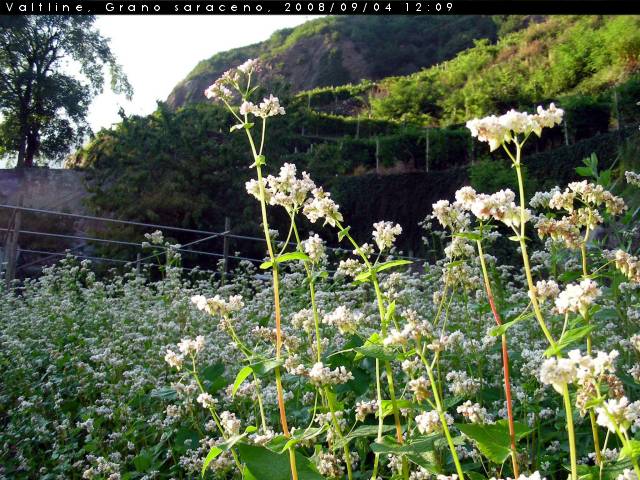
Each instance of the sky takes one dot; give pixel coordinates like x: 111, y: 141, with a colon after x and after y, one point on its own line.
x: 156, y: 52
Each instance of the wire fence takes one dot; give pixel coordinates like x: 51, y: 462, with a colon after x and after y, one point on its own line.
x: 16, y: 234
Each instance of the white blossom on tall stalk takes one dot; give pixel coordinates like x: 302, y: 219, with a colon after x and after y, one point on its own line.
x: 577, y: 298
x: 322, y: 206
x: 385, y: 233
x: 498, y: 130
x: 230, y: 423
x: 218, y: 306
x: 343, y: 319
x: 429, y: 422
x: 473, y: 412
x: 557, y: 372
x: 314, y: 248
x: 191, y: 347
x: 619, y: 413
x: 322, y: 376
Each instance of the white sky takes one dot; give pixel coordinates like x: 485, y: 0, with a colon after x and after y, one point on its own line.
x: 156, y: 52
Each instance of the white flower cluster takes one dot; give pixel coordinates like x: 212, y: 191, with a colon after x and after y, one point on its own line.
x: 460, y: 383
x: 473, y: 412
x: 365, y: 408
x: 206, y: 400
x: 314, y: 248
x: 429, y: 422
x: 577, y: 367
x: 619, y: 413
x: 230, y: 423
x: 220, y: 90
x: 498, y: 130
x: 343, y: 319
x: 451, y: 215
x: 321, y: 206
x: 628, y: 265
x: 577, y: 298
x: 385, y: 233
x: 329, y: 465
x: 284, y: 190
x: 632, y: 178
x: 217, y: 305
x: 420, y: 388
x: 322, y: 376
x: 589, y: 194
x: 186, y: 347
x: 269, y: 107
x: 547, y: 290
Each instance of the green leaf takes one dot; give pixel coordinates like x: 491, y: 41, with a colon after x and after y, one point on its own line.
x: 493, y: 440
x: 514, y: 238
x: 249, y: 126
x: 387, y: 407
x: 262, y: 463
x: 213, y: 453
x: 630, y: 451
x: 236, y: 127
x: 303, y: 435
x: 473, y: 236
x: 287, y: 257
x: 415, y: 446
x: 265, y: 366
x: 373, y: 348
x: 213, y: 377
x: 499, y: 330
x: 569, y: 337
x: 164, y: 393
x: 143, y: 461
x: 343, y: 233
x: 391, y: 310
x: 584, y: 171
x: 363, y: 431
x: 242, y: 375
x: 391, y: 264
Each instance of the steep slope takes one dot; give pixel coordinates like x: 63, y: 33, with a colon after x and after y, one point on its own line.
x: 340, y: 50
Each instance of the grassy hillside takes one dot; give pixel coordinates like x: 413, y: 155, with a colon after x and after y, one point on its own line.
x: 338, y: 50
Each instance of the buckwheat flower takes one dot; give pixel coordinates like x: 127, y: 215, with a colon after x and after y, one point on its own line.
x: 269, y: 107
x: 303, y: 319
x: 519, y: 122
x: 322, y: 376
x: 541, y: 200
x: 577, y: 298
x: 314, y: 248
x: 156, y: 238
x: 617, y: 413
x: 343, y: 319
x: 230, y: 423
x: 627, y: 474
x: 200, y: 301
x: 385, y: 233
x: 329, y: 465
x: 473, y: 412
x: 629, y: 265
x: 249, y: 66
x: 549, y: 118
x: 206, y: 400
x: 218, y: 91
x: 460, y: 383
x: 547, y: 290
x: 189, y: 347
x: 488, y: 129
x: 287, y: 190
x: 247, y: 107
x: 420, y: 387
x: 632, y: 178
x: 253, y: 188
x: 635, y: 342
x: 365, y: 408
x: 321, y: 206
x: 466, y: 196
x: 420, y: 474
x: 535, y: 475
x: 173, y: 359
x: 450, y: 216
x: 429, y: 422
x: 558, y: 372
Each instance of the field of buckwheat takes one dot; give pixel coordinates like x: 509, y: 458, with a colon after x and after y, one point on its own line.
x: 468, y: 368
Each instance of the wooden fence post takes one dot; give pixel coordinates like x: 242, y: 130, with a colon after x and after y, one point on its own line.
x: 11, y: 247
x: 225, y: 247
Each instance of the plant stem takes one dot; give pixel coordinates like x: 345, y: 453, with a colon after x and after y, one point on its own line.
x: 505, y: 362
x: 276, y: 301
x: 336, y: 425
x: 537, y: 310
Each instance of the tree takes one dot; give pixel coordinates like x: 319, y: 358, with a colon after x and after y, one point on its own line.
x: 43, y: 108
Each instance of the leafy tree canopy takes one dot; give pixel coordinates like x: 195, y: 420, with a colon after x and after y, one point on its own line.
x: 43, y: 108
